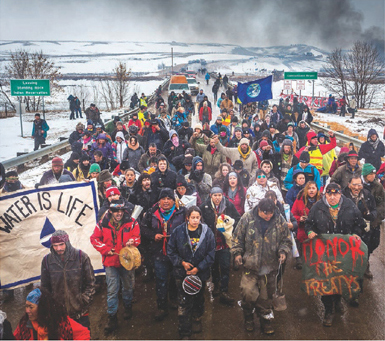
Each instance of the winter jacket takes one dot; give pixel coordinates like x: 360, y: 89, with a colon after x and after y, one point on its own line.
x: 146, y: 199
x: 275, y: 117
x: 106, y: 237
x: 299, y: 209
x: 200, y: 97
x: 118, y: 150
x: 238, y: 203
x: 50, y: 178
x: 291, y: 195
x: 159, y: 137
x: 68, y: 330
x: 105, y: 148
x: 208, y: 215
x: 365, y: 203
x: 185, y: 134
x: 211, y: 161
x: 260, y: 251
x: 80, y: 173
x: 215, y: 129
x: 153, y: 223
x: 250, y: 163
x: 133, y: 155
x: 37, y: 127
x: 74, y: 137
x: 370, y: 153
x: 327, y: 160
x: 255, y: 193
x: 171, y: 152
x: 278, y: 165
x: 349, y: 219
x: 200, y: 180
x: 208, y: 115
x: 179, y: 250
x: 311, y: 173
x: 144, y: 160
x: 162, y: 180
x: 302, y: 132
x: 227, y: 104
x: 379, y: 196
x: 344, y: 173
x: 71, y: 282
x: 339, y: 161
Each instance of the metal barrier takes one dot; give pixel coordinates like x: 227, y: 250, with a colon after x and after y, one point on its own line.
x: 18, y: 162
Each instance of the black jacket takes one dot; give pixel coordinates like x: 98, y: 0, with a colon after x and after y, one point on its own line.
x: 349, y: 220
x: 185, y: 134
x: 162, y: 180
x: 301, y: 132
x: 74, y: 137
x: 152, y: 224
x: 177, y: 151
x: 372, y: 155
x: 179, y: 249
x: 367, y: 206
x: 146, y: 199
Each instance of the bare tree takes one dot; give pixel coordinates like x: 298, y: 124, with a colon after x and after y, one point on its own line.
x: 354, y: 73
x: 107, y: 91
x: 25, y: 65
x: 121, y: 83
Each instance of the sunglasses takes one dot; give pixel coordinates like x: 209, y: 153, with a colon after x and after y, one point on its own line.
x: 261, y: 176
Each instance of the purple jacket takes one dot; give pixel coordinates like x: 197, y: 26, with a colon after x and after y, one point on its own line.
x: 49, y: 178
x: 106, y: 150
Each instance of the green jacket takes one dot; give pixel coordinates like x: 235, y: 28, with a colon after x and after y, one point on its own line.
x: 260, y: 253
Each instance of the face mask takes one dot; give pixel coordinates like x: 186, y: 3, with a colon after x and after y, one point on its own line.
x: 223, y: 134
x: 175, y: 141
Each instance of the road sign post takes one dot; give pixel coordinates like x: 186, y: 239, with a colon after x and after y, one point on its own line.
x: 29, y: 87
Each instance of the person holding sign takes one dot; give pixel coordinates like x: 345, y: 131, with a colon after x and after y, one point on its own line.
x: 334, y: 213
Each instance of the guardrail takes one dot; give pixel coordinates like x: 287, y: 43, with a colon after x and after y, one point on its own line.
x: 20, y: 161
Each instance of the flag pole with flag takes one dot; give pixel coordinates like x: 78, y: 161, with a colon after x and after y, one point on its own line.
x: 256, y: 90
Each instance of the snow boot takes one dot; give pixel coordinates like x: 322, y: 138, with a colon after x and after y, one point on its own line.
x: 127, y: 312
x: 249, y: 322
x: 267, y: 326
x: 226, y: 299
x: 216, y: 291
x: 298, y: 263
x: 160, y: 315
x: 368, y: 274
x: 338, y: 307
x: 196, y: 325
x: 328, y: 319
x: 112, y: 324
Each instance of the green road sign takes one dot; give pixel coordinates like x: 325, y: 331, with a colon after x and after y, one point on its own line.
x: 30, y: 87
x: 301, y: 75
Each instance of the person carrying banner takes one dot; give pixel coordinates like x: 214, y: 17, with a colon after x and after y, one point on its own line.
x: 12, y: 182
x: 52, y: 176
x: 60, y: 275
x: 116, y: 230
x: 334, y: 213
x: 261, y: 242
x: 46, y: 319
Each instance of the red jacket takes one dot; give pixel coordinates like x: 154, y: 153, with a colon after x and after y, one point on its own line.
x: 299, y: 209
x: 238, y: 203
x: 324, y: 148
x: 69, y: 330
x: 105, y: 238
x: 201, y: 113
x: 138, y: 123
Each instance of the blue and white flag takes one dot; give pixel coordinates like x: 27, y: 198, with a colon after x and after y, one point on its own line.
x: 255, y: 91
x: 29, y: 217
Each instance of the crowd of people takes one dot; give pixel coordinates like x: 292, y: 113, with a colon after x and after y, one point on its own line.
x: 236, y: 174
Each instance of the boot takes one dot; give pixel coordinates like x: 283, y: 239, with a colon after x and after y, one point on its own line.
x: 196, y: 325
x: 226, y: 299
x: 298, y: 263
x: 328, y: 319
x: 368, y: 274
x: 266, y: 326
x: 112, y: 324
x: 354, y: 302
x: 173, y: 304
x: 338, y: 307
x: 127, y: 312
x: 216, y: 291
x: 160, y: 315
x: 249, y: 322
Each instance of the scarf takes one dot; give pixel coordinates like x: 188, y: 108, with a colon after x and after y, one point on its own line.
x: 213, y: 150
x: 166, y: 215
x: 12, y: 187
x: 153, y: 130
x: 42, y: 332
x: 286, y: 157
x: 246, y: 155
x: 232, y: 193
x: 375, y: 143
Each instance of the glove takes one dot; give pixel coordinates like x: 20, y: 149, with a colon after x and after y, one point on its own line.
x: 37, y: 185
x: 367, y: 228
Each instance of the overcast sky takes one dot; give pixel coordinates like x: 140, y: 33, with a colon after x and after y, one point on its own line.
x: 323, y: 23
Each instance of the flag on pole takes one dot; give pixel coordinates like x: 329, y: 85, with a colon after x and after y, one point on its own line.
x: 255, y: 91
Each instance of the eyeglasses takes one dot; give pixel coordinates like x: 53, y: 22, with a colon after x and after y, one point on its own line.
x: 261, y: 176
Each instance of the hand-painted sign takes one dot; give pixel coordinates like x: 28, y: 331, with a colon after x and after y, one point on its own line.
x: 333, y: 264
x: 29, y: 217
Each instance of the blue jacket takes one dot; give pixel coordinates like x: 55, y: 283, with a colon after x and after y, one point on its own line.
x: 179, y: 249
x: 44, y: 126
x: 215, y: 129
x: 311, y: 173
x: 291, y: 195
x: 207, y: 76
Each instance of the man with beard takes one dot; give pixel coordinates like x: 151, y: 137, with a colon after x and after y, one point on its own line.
x: 39, y: 131
x: 153, y: 151
x: 283, y: 161
x: 242, y: 152
x: 67, y: 273
x: 52, y: 176
x: 199, y: 179
x: 212, y: 208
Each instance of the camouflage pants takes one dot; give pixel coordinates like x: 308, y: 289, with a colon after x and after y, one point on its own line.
x: 257, y: 292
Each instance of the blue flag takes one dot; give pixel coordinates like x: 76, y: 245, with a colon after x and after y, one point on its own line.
x: 255, y: 91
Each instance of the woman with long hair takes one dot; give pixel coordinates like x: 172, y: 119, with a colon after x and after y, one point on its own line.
x: 301, y: 207
x: 191, y: 249
x: 220, y: 175
x: 233, y: 190
x: 46, y: 319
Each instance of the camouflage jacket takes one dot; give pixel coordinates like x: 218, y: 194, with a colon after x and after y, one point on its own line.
x: 260, y: 253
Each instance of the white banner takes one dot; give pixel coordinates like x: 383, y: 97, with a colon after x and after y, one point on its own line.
x: 29, y: 217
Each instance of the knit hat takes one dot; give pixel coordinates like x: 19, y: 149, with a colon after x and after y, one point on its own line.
x: 344, y: 150
x: 367, y: 169
x: 244, y: 141
x: 11, y: 174
x: 65, y: 178
x: 133, y: 129
x: 181, y: 181
x: 287, y: 142
x: 75, y: 156
x: 245, y: 131
x: 80, y: 125
x: 305, y: 157
x: 237, y: 129
x: 273, y: 125
x: 216, y: 190
x: 167, y: 193
x: 219, y: 118
x: 234, y: 119
x: 352, y: 153
x: 112, y: 191
x: 188, y: 160
x: 94, y: 168
x: 104, y: 175
x: 84, y: 157
x: 333, y: 187
x: 198, y: 126
x: 124, y: 165
x: 223, y: 129
x: 59, y: 236
x: 266, y: 133
x: 57, y: 161
x: 190, y: 151
x: 263, y: 143
x: 116, y: 205
x: 238, y: 165
x: 233, y: 174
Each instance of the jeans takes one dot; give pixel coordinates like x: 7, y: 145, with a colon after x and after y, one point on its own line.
x: 113, y: 277
x: 38, y: 141
x: 78, y: 113
x: 189, y: 307
x: 221, y: 269
x: 165, y: 283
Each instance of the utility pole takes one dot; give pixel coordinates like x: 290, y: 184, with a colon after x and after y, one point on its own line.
x: 172, y: 61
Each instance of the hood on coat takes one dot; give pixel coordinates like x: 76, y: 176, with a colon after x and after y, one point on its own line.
x: 310, y: 135
x: 119, y: 134
x: 172, y: 132
x: 372, y: 132
x: 196, y: 160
